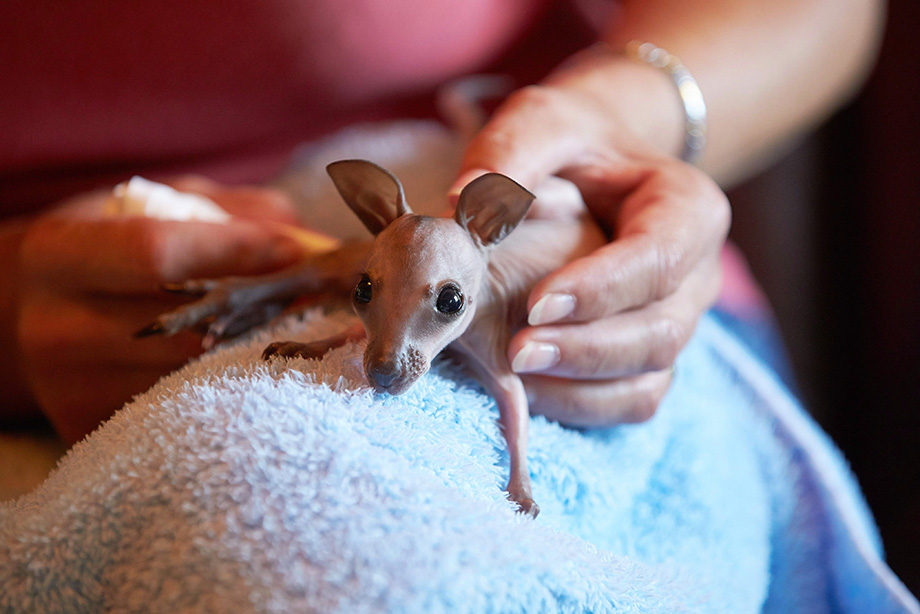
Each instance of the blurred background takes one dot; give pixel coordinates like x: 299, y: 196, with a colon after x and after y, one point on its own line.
x: 832, y: 232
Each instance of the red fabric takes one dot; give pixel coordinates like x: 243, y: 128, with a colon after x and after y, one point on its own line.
x: 740, y: 294
x: 93, y: 90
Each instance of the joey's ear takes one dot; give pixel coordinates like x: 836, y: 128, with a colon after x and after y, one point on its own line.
x: 372, y: 192
x: 492, y: 206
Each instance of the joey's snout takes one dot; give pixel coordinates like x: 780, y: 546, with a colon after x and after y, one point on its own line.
x: 394, y: 373
x: 382, y: 376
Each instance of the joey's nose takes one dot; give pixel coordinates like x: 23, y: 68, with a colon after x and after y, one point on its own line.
x: 382, y: 375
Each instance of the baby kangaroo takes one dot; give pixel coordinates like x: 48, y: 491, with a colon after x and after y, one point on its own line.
x: 427, y: 283
x: 462, y: 282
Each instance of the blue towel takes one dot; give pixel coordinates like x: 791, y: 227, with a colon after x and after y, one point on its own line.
x: 236, y: 485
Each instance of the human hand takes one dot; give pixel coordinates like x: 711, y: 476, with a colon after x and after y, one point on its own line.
x: 606, y: 329
x: 88, y: 281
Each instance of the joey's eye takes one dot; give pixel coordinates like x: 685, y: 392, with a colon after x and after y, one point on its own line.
x: 450, y: 300
x: 363, y: 290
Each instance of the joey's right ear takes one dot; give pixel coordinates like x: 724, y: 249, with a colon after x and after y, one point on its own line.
x: 491, y: 206
x: 372, y: 192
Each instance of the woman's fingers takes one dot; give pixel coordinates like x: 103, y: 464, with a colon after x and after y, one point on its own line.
x: 90, y: 280
x: 600, y: 403
x: 536, y: 132
x: 254, y: 202
x: 622, y: 345
x: 606, y: 328
x: 59, y: 328
x: 140, y: 253
x: 616, y: 369
x: 673, y: 220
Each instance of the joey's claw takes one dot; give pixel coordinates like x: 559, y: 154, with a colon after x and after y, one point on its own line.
x: 193, y: 316
x: 168, y: 324
x: 285, y: 349
x: 224, y: 309
x: 149, y: 331
x: 271, y: 350
x: 189, y: 288
x: 525, y: 505
x: 293, y: 349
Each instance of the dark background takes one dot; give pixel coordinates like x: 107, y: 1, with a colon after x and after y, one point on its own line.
x: 833, y: 234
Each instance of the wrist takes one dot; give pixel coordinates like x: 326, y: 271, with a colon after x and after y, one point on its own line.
x: 691, y: 97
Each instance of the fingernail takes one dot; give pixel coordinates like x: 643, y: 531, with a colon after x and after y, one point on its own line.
x: 462, y: 180
x: 285, y: 251
x: 551, y: 308
x: 535, y: 356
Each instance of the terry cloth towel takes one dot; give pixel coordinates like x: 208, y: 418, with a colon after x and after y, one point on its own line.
x: 238, y: 485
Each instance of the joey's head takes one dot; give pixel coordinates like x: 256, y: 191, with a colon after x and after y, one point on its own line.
x: 423, y: 277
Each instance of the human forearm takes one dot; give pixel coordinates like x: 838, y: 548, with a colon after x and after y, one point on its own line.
x: 85, y: 281
x: 768, y: 70
x: 17, y: 400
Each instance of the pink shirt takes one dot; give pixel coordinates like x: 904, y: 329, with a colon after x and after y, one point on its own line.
x: 93, y: 91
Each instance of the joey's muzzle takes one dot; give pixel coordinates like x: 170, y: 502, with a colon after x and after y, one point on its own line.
x: 394, y: 373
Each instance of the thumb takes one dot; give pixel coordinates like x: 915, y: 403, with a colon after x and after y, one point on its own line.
x: 453, y: 194
x: 240, y: 247
x: 525, y: 140
x: 255, y: 202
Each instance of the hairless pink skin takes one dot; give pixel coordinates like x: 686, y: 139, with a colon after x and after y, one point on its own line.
x: 416, y: 259
x: 430, y: 283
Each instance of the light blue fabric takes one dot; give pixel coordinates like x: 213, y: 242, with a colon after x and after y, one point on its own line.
x: 244, y: 486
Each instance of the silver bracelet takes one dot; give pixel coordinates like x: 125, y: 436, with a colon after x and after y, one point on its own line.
x: 690, y: 95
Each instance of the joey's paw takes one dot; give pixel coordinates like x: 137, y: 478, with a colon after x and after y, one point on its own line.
x: 293, y: 349
x: 224, y: 309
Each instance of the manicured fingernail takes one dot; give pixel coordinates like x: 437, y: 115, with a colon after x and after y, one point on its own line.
x: 551, y: 308
x: 535, y: 356
x: 286, y: 250
x: 461, y: 182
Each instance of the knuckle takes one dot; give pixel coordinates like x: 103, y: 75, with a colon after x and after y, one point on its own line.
x: 669, y: 266
x: 496, y: 141
x: 583, y: 409
x: 718, y: 214
x: 261, y: 197
x: 648, y: 398
x: 600, y: 285
x: 276, y: 199
x: 643, y: 407
x: 594, y: 359
x: 151, y: 254
x: 715, y: 204
x: 535, y: 96
x: 526, y: 107
x: 669, y: 337
x: 722, y: 217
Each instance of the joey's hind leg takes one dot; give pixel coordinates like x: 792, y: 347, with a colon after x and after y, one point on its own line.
x: 514, y: 416
x: 313, y: 349
x: 514, y: 413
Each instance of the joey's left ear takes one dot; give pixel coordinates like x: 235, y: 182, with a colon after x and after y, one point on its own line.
x: 373, y: 193
x: 491, y: 206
